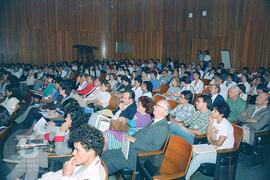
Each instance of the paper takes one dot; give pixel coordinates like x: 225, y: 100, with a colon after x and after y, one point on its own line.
x: 103, y: 123
x: 125, y: 148
x: 40, y: 125
x: 203, y: 148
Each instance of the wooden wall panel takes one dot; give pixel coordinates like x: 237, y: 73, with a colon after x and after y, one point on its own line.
x: 40, y: 31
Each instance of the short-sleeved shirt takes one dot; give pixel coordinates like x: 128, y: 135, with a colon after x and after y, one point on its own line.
x: 224, y: 128
x: 198, y: 120
x: 182, y: 112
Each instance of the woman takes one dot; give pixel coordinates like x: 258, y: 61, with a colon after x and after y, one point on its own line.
x: 147, y: 88
x: 219, y: 134
x: 11, y: 103
x: 137, y: 87
x: 173, y: 91
x: 113, y: 139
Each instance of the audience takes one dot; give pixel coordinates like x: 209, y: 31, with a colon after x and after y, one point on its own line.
x: 133, y: 82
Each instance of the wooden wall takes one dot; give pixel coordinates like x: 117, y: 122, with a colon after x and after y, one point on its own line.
x: 40, y: 31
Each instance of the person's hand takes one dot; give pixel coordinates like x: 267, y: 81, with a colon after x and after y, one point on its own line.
x: 69, y: 167
x: 122, y: 119
x: 121, y: 106
x: 64, y: 127
x: 253, y: 120
x: 129, y: 138
x: 243, y: 113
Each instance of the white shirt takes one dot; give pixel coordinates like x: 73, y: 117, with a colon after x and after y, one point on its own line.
x: 224, y: 91
x: 214, y: 97
x: 148, y: 94
x: 198, y: 87
x: 82, y: 86
x: 207, y: 58
x: 104, y: 98
x: 138, y: 92
x: 10, y: 104
x: 94, y: 171
x: 224, y: 128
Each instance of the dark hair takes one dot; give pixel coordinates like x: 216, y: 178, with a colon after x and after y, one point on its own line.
x: 207, y: 99
x: 139, y: 79
x: 188, y: 96
x: 107, y: 85
x: 242, y: 87
x: 67, y: 86
x: 246, y: 76
x: 125, y: 78
x: 131, y: 94
x: 262, y: 87
x: 147, y: 103
x: 15, y: 91
x: 223, y: 108
x: 4, y: 116
x: 89, y: 137
x: 185, y: 80
x: 149, y: 86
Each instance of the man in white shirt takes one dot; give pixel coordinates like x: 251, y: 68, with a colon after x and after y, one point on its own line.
x: 85, y: 164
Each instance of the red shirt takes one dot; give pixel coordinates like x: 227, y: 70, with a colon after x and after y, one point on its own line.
x: 86, y: 90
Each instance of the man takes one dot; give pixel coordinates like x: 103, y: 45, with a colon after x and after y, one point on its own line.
x: 236, y: 104
x: 197, y: 84
x: 256, y: 118
x: 215, y: 96
x: 85, y: 164
x: 151, y: 138
x: 195, y: 124
x: 154, y: 81
x: 164, y: 78
x: 128, y: 106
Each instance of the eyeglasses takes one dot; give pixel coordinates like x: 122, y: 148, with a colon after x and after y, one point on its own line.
x: 162, y: 107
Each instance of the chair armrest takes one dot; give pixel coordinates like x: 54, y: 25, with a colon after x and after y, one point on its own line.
x: 151, y: 153
x: 223, y: 151
x: 262, y: 133
x: 51, y: 156
x: 169, y: 176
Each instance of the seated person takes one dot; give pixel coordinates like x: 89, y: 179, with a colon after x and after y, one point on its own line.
x: 88, y: 143
x: 185, y: 84
x: 150, y: 138
x: 147, y: 88
x: 154, y: 81
x: 236, y: 104
x: 195, y: 124
x: 219, y: 134
x: 12, y: 100
x: 197, y: 84
x: 215, y: 96
x: 88, y: 88
x: 29, y: 164
x: 102, y: 98
x: 113, y: 139
x: 174, y: 90
x: 184, y: 109
x: 4, y: 118
x: 164, y: 78
x: 255, y: 118
x: 137, y: 87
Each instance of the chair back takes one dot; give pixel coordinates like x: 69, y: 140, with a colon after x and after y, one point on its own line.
x: 113, y: 103
x: 238, y: 136
x: 106, y: 170
x: 177, y: 156
x: 157, y: 98
x: 173, y: 103
x: 163, y: 88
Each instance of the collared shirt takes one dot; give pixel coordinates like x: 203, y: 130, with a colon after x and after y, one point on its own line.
x: 214, y: 97
x: 258, y: 109
x: 156, y: 120
x: 182, y: 112
x: 236, y: 106
x: 198, y: 120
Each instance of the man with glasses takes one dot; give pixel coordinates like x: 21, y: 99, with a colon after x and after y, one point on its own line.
x: 151, y: 138
x: 195, y: 124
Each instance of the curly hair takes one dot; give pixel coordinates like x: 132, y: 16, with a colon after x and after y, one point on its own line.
x: 89, y: 137
x: 148, y: 104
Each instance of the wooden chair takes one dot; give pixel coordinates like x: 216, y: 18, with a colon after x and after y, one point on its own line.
x: 227, y: 159
x: 157, y: 98
x: 113, y: 103
x: 173, y: 103
x: 206, y: 81
x: 163, y: 88
x: 127, y: 174
x: 175, y: 162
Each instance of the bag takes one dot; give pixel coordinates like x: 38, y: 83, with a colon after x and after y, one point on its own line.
x: 117, y: 125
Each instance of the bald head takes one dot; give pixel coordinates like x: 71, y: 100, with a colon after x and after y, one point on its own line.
x: 262, y: 99
x: 161, y: 109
